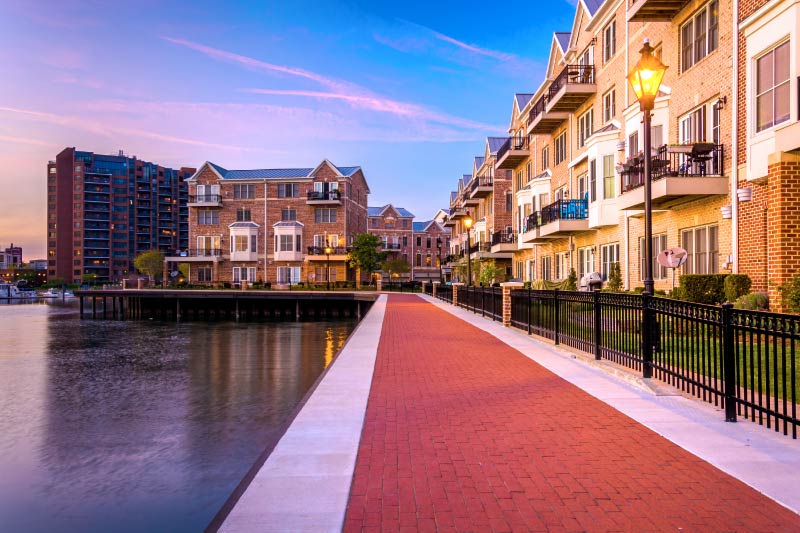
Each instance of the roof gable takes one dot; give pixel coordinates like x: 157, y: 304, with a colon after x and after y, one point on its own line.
x: 325, y: 163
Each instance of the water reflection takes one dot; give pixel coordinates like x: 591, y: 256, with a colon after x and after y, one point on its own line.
x: 131, y: 426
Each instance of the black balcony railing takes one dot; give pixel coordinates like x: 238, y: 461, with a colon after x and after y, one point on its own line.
x: 532, y: 222
x: 538, y: 108
x: 512, y: 143
x: 323, y: 195
x: 693, y: 161
x: 335, y: 250
x: 392, y: 246
x: 480, y: 181
x: 583, y: 74
x: 205, y: 199
x: 503, y: 237
x: 565, y: 210
x: 198, y: 252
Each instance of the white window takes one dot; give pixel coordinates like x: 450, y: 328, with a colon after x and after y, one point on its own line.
x: 772, y: 87
x: 244, y: 274
x: 530, y: 270
x: 207, y: 216
x: 585, y: 261
x: 288, y: 275
x: 285, y: 243
x: 700, y: 35
x: 609, y: 254
x: 583, y: 186
x: 633, y: 144
x: 323, y: 240
x: 547, y: 269
x: 240, y: 243
x: 592, y: 180
x: 609, y: 105
x: 609, y: 177
x: 545, y: 158
x: 702, y: 246
x: 204, y: 274
x: 585, y: 127
x: 609, y: 41
x: 207, y: 245
x: 659, y: 244
x: 560, y: 147
x: 325, y: 215
x: 562, y: 265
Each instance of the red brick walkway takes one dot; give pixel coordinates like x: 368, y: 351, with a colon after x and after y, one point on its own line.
x: 464, y: 433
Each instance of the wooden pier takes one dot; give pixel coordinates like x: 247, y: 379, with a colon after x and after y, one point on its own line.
x: 211, y: 305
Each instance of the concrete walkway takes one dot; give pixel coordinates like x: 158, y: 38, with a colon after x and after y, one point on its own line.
x: 464, y: 432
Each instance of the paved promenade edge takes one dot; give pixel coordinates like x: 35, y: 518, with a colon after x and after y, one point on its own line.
x: 757, y: 456
x: 304, y: 485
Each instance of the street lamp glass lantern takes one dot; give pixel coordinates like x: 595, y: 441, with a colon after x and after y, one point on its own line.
x: 468, y: 222
x: 328, y: 250
x: 646, y: 76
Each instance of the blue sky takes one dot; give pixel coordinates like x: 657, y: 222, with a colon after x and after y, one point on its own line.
x: 407, y: 90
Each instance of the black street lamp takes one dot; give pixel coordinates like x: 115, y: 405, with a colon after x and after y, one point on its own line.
x: 645, y: 78
x: 468, y: 224
x: 328, y: 252
x: 439, y: 251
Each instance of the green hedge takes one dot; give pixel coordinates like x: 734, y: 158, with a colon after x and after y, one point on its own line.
x: 703, y: 288
x: 736, y: 285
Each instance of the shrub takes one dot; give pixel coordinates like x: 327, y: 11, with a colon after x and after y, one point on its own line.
x: 572, y: 281
x: 615, y: 278
x: 736, y: 285
x: 704, y: 288
x: 754, y: 301
x: 791, y: 294
x: 637, y: 290
x: 526, y: 285
x: 678, y: 293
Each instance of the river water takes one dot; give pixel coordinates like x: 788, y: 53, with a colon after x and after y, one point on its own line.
x: 141, y: 426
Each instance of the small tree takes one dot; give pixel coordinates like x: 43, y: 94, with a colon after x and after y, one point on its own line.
x: 488, y: 273
x: 615, y: 278
x: 364, y: 253
x: 572, y: 281
x: 790, y: 292
x: 396, y: 266
x: 150, y: 263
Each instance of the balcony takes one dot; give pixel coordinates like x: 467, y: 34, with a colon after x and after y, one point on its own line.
x: 324, y: 197
x: 680, y: 174
x: 513, y: 152
x: 205, y: 200
x: 573, y: 86
x: 654, y: 10
x: 540, y: 120
x: 192, y: 255
x: 317, y: 253
x: 502, y: 241
x: 391, y: 247
x: 558, y: 220
x: 481, y: 187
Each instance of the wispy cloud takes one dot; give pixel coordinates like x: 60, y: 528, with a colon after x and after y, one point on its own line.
x: 353, y: 94
x: 500, y: 56
x: 25, y: 140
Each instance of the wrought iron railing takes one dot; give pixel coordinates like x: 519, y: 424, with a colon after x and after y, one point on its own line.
x: 480, y: 181
x: 204, y: 198
x: 564, y: 210
x: 538, y: 108
x: 323, y: 195
x: 692, y: 161
x: 512, y: 143
x: 503, y: 237
x: 334, y: 250
x: 583, y: 74
x: 488, y: 301
x: 198, y: 252
x: 445, y: 293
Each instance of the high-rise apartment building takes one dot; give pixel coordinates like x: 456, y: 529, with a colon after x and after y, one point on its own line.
x: 103, y: 210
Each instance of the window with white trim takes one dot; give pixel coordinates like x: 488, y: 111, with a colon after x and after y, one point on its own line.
x: 592, y: 180
x: 609, y: 177
x: 585, y: 127
x: 207, y: 216
x: 610, y: 41
x: 288, y: 190
x: 702, y: 247
x: 247, y: 274
x: 585, y: 261
x: 545, y: 158
x: 208, y: 245
x: 609, y: 254
x: 560, y: 145
x: 772, y: 87
x: 324, y: 215
x: 547, y: 269
x: 700, y: 35
x: 659, y: 244
x: 288, y: 275
x: 562, y: 265
x: 609, y: 106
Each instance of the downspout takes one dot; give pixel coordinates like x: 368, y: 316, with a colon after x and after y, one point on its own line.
x: 626, y: 240
x: 735, y: 142
x: 266, y: 233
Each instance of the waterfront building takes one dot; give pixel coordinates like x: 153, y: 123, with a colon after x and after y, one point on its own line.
x: 431, y: 242
x: 273, y: 225
x: 11, y: 257
x: 103, y: 210
x: 574, y: 146
x: 394, y: 226
x: 767, y: 173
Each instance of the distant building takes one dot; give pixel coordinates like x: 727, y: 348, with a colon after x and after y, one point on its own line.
x: 394, y: 226
x: 11, y: 257
x: 273, y: 225
x: 431, y: 241
x: 103, y: 210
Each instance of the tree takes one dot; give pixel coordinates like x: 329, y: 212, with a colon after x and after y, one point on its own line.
x: 615, y: 278
x: 364, y: 254
x: 396, y: 266
x: 150, y: 263
x: 572, y: 281
x: 488, y: 273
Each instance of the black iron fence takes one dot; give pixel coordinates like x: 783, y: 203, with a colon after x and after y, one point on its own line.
x: 743, y: 361
x: 445, y: 293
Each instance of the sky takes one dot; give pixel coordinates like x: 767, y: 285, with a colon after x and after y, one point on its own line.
x: 406, y: 90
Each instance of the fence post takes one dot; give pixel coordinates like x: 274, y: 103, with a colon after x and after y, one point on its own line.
x: 379, y: 284
x: 456, y: 286
x: 646, y: 341
x: 434, y: 291
x: 556, y: 314
x: 598, y: 325
x: 483, y: 302
x: 507, y: 288
x: 530, y: 307
x: 729, y: 362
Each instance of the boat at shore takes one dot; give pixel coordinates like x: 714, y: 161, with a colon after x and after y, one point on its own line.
x: 56, y: 293
x: 16, y: 291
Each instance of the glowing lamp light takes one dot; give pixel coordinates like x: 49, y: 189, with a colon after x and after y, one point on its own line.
x: 646, y: 76
x: 468, y: 222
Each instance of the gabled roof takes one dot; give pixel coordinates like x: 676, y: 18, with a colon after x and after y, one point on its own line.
x: 243, y: 225
x: 379, y: 211
x: 288, y: 224
x: 274, y: 173
x: 522, y: 100
x: 419, y: 227
x: 453, y: 195
x: 592, y: 6
x: 495, y: 143
x: 479, y: 160
x: 562, y: 38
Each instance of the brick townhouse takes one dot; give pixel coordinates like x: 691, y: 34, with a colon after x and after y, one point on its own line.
x: 394, y: 226
x: 431, y: 244
x: 574, y: 146
x: 273, y: 225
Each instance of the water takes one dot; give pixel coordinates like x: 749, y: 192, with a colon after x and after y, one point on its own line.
x: 141, y: 426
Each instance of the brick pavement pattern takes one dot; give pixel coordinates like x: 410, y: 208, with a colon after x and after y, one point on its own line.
x: 464, y: 433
